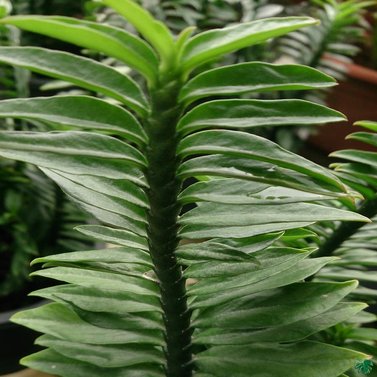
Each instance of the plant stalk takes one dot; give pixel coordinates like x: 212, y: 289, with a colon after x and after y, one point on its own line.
x: 163, y: 191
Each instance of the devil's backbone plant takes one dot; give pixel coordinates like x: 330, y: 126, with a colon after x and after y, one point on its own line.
x: 207, y: 291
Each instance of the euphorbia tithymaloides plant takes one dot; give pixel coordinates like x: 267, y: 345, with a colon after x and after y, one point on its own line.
x: 232, y: 303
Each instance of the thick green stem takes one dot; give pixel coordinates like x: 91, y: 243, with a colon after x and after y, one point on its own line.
x: 347, y: 229
x: 163, y: 240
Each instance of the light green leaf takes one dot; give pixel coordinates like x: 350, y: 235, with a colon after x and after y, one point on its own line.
x: 276, y: 308
x: 131, y: 216
x: 249, y: 113
x: 223, y: 215
x: 59, y: 321
x: 280, y: 277
x: 111, y: 256
x: 106, y: 280
x: 253, y: 77
x: 244, y: 145
x: 80, y: 71
x: 365, y: 137
x: 305, y: 359
x: 154, y: 31
x: 100, y: 300
x: 105, y: 356
x: 367, y: 124
x: 237, y: 191
x: 78, y: 112
x: 75, y: 153
x: 115, y: 236
x: 251, y: 170
x: 225, y: 249
x: 116, y: 188
x: 363, y: 157
x: 215, y: 43
x: 288, y: 333
x: 109, y: 40
x: 49, y: 361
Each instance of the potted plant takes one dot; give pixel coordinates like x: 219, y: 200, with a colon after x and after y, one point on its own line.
x: 153, y: 306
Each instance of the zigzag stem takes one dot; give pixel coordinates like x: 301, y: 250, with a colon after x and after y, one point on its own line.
x: 163, y: 240
x: 347, y: 229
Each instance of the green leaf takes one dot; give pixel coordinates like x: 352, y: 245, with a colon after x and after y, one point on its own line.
x: 77, y: 111
x: 115, y: 236
x: 287, y: 333
x: 111, y: 256
x: 100, y: 300
x: 106, y: 280
x: 253, y: 77
x: 276, y: 308
x: 305, y: 359
x: 237, y: 191
x: 114, y: 188
x: 57, y: 320
x: 365, y: 137
x: 363, y: 157
x: 125, y: 214
x: 80, y: 71
x: 49, y: 361
x: 75, y: 153
x: 269, y: 278
x: 154, y: 31
x: 225, y: 249
x: 105, y: 356
x: 244, y: 145
x: 228, y: 215
x: 109, y: 40
x: 215, y: 43
x: 367, y: 124
x: 252, y: 170
x: 248, y: 113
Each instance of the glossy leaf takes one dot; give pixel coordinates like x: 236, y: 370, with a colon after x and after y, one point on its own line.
x: 88, y: 153
x: 99, y: 37
x: 78, y: 112
x: 49, y: 361
x: 215, y: 43
x: 151, y: 29
x: 243, y: 145
x: 305, y: 359
x: 236, y: 191
x: 246, y: 114
x: 253, y: 77
x: 80, y: 71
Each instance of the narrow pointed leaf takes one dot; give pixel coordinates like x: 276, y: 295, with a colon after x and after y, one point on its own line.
x: 253, y: 77
x: 105, y: 280
x: 76, y: 153
x: 100, y: 300
x: 49, y: 361
x: 115, y: 236
x: 305, y: 359
x: 99, y: 37
x: 288, y: 333
x: 105, y: 356
x: 154, y: 31
x: 215, y: 43
x: 280, y: 307
x: 236, y: 191
x: 249, y: 113
x: 241, y: 144
x: 222, y: 215
x: 62, y: 322
x: 80, y: 71
x: 76, y: 111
